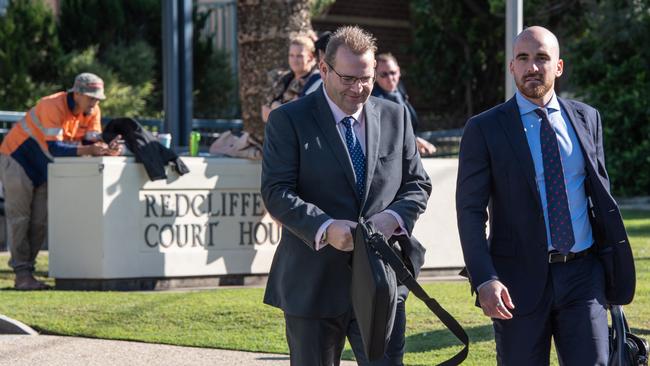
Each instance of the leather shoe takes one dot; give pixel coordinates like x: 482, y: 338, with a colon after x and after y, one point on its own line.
x: 29, y: 283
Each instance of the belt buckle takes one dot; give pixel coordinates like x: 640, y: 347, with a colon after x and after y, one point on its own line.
x: 565, y: 258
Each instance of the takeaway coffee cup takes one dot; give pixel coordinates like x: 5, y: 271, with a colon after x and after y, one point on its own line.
x: 165, y: 139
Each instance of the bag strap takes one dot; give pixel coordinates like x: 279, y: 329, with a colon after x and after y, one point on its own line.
x: 378, y: 242
x: 619, y: 326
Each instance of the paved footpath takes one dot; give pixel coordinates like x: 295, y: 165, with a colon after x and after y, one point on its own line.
x: 30, y: 350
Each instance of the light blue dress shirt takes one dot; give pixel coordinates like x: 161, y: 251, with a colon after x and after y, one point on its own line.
x: 573, y: 165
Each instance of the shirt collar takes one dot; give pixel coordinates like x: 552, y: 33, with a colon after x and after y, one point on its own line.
x: 338, y: 113
x: 526, y: 106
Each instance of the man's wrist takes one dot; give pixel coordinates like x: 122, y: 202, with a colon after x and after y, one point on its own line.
x: 321, y: 235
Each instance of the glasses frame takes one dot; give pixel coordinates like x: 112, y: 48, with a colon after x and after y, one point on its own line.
x: 353, y: 80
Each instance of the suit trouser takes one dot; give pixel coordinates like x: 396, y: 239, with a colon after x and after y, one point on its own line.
x: 26, y: 212
x: 572, y: 311
x: 320, y: 341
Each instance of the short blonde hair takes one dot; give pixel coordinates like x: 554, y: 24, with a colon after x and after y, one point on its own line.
x: 354, y: 38
x: 305, y: 41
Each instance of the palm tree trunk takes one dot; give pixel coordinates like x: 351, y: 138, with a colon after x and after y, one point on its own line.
x: 264, y: 29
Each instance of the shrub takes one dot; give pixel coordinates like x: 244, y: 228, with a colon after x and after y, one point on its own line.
x: 611, y: 70
x: 29, y: 50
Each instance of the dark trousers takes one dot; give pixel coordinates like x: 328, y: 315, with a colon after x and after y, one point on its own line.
x: 572, y: 311
x: 320, y: 341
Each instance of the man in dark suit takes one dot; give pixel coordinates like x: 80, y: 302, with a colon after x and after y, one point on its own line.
x: 330, y: 158
x: 389, y: 86
x: 537, y: 162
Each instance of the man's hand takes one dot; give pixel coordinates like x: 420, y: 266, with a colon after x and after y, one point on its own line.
x: 495, y: 300
x: 385, y: 223
x: 96, y: 149
x: 425, y: 148
x: 114, y: 147
x: 99, y: 149
x: 339, y: 234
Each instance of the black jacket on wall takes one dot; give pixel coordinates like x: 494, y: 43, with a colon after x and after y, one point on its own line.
x: 145, y: 147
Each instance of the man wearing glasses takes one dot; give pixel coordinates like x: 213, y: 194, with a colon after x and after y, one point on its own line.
x: 329, y: 158
x: 389, y: 86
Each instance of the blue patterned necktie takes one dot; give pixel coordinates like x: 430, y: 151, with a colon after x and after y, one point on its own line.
x: 559, y: 216
x: 356, y: 155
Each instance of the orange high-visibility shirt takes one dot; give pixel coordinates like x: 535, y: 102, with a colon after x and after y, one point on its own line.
x: 44, y: 132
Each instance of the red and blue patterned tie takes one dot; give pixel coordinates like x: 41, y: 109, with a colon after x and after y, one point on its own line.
x: 559, y: 216
x: 356, y: 155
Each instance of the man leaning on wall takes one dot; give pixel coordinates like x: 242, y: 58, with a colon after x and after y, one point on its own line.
x: 56, y: 126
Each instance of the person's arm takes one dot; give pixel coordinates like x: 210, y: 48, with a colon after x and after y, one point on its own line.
x: 600, y: 149
x: 411, y: 199
x: 281, y: 159
x: 472, y: 197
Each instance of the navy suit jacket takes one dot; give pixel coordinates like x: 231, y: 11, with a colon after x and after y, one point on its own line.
x: 496, y: 174
x: 307, y: 178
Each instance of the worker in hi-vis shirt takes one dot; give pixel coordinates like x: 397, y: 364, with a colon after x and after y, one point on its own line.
x: 61, y: 124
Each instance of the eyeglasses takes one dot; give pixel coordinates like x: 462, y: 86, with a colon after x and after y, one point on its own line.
x: 352, y: 80
x: 385, y: 74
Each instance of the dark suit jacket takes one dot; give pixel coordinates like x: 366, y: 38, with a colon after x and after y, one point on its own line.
x: 496, y: 170
x: 378, y: 92
x: 307, y: 178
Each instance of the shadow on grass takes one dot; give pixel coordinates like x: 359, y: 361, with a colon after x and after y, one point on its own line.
x: 439, y: 339
x: 640, y: 332
x: 273, y: 358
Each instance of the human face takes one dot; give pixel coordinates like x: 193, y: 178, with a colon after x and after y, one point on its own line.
x: 350, y: 98
x: 388, y: 75
x: 300, y: 60
x: 84, y: 103
x: 536, y: 64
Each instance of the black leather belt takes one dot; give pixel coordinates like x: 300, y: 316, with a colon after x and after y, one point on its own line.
x: 557, y: 257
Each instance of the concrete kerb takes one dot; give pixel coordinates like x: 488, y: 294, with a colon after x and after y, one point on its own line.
x: 12, y: 326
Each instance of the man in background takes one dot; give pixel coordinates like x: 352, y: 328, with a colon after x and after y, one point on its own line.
x: 56, y: 126
x: 389, y: 86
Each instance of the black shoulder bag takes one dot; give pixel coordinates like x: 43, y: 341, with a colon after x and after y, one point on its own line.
x: 376, y: 269
x: 625, y: 348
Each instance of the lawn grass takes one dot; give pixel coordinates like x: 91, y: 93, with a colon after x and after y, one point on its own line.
x: 235, y: 318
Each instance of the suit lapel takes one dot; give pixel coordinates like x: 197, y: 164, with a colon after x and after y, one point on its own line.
x: 325, y: 120
x: 579, y: 124
x: 372, y: 143
x: 514, y: 129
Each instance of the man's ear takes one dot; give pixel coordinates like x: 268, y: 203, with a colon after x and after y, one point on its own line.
x: 323, y: 68
x: 560, y: 68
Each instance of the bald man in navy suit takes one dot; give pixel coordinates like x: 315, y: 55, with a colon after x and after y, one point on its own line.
x: 536, y: 163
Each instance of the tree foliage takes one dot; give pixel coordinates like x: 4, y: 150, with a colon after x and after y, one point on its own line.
x: 29, y: 50
x: 214, y: 86
x: 611, y: 72
x: 120, y: 40
x: 460, y: 51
